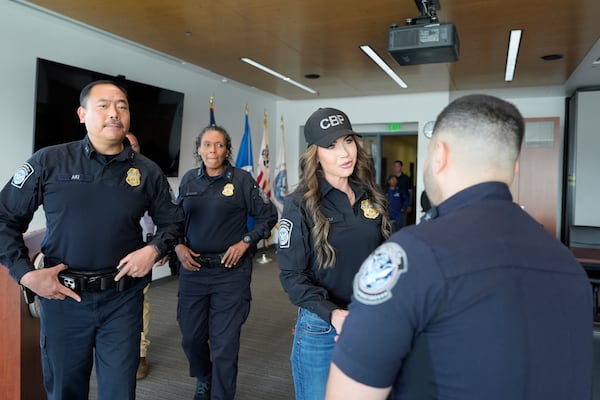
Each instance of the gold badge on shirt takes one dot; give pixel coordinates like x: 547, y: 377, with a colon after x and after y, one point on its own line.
x: 228, y: 190
x: 134, y: 177
x: 368, y: 210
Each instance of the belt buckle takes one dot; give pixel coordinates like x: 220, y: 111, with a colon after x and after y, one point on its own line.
x: 204, y: 260
x: 69, y: 281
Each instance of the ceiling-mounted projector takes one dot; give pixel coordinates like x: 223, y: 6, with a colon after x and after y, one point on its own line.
x: 424, y: 40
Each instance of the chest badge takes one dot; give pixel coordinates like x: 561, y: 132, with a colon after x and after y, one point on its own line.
x: 368, y: 210
x: 134, y: 177
x: 228, y: 190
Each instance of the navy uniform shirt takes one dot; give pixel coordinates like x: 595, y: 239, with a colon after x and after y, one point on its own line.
x: 93, y: 207
x: 216, y: 209
x: 478, y: 303
x: 355, y: 231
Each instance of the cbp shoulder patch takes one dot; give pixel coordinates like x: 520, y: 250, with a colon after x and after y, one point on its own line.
x: 379, y: 273
x: 285, y: 233
x: 22, y: 174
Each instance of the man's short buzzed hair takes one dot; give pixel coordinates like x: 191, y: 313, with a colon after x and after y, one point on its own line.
x: 486, y: 117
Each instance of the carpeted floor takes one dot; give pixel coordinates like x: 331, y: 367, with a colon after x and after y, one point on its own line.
x: 264, y: 367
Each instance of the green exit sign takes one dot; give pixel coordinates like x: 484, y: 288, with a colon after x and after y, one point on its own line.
x: 394, y: 126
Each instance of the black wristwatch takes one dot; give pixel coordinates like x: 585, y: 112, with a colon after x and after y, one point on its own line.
x: 247, y: 239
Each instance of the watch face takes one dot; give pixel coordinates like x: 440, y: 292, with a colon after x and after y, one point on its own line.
x: 247, y: 239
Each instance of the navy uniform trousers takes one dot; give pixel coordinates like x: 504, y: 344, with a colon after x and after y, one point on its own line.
x: 214, y: 302
x: 108, y: 322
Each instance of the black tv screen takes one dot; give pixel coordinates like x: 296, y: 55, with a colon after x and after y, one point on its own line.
x: 156, y: 113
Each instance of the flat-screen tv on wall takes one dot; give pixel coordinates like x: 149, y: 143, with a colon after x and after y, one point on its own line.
x: 156, y: 113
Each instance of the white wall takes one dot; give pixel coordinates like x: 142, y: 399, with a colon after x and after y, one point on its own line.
x: 26, y: 34
x: 418, y: 108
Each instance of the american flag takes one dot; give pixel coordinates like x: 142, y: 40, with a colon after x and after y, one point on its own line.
x: 263, y: 161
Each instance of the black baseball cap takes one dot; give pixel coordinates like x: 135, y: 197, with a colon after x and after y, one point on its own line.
x: 325, y: 125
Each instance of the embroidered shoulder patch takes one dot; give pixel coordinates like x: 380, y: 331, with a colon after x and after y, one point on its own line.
x: 285, y: 233
x: 22, y: 174
x: 379, y: 273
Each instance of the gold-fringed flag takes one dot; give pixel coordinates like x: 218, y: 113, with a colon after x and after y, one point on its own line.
x: 263, y: 160
x: 211, y: 109
x: 280, y: 185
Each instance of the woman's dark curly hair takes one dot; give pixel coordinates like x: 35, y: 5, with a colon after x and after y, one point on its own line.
x: 215, y: 128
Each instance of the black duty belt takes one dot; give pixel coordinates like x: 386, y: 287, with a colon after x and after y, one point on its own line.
x: 95, y: 281
x: 210, y: 260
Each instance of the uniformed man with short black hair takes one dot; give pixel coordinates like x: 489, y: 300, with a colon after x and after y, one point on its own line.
x: 94, y: 192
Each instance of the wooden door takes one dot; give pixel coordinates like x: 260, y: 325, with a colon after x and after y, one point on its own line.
x: 536, y: 184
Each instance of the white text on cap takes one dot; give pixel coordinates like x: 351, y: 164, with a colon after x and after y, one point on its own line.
x: 330, y: 121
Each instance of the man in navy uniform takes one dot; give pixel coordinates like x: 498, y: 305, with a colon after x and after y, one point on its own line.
x: 94, y: 192
x: 476, y: 302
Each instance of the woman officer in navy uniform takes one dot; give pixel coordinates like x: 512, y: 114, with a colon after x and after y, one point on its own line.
x: 216, y: 260
x: 336, y: 217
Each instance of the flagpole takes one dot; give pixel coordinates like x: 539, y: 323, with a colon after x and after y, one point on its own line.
x: 263, y: 259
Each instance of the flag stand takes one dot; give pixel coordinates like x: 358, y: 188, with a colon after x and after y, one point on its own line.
x: 263, y: 259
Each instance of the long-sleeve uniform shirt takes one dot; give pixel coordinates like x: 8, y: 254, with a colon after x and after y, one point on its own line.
x: 216, y: 210
x: 93, y: 206
x: 477, y: 303
x: 355, y: 231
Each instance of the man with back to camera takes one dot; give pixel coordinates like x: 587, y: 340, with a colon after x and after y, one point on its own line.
x: 476, y: 302
x: 94, y: 192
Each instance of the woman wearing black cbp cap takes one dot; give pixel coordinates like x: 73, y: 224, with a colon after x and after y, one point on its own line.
x: 333, y: 220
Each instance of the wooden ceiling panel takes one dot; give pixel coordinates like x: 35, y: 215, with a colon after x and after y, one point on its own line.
x: 312, y: 36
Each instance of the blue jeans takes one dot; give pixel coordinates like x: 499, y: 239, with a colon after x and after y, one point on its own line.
x: 311, y: 355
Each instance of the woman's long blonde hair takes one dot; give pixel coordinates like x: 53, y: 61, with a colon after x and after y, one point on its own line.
x: 310, y: 174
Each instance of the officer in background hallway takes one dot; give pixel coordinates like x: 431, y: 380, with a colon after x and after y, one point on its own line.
x: 94, y: 192
x: 478, y: 301
x: 148, y: 229
x: 216, y: 260
x: 405, y: 186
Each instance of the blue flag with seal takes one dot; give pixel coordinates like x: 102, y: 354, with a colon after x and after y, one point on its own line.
x: 245, y: 160
x: 280, y: 186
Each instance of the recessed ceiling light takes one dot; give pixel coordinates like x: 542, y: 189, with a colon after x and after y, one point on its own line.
x: 187, y: 33
x: 552, y: 57
x: 278, y: 75
x: 514, y: 42
x: 383, y: 65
